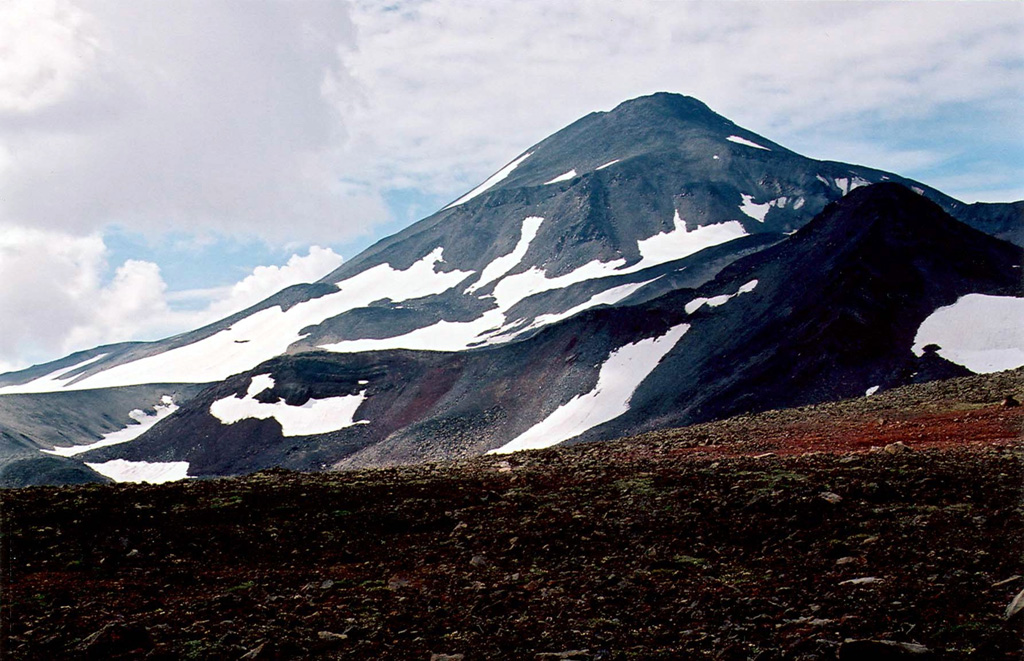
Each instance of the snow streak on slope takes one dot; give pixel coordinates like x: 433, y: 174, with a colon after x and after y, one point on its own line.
x: 983, y: 333
x: 607, y: 297
x: 493, y: 325
x: 506, y: 263
x: 625, y: 369
x: 743, y: 141
x: 317, y: 416
x: 50, y: 382
x: 270, y: 332
x: 566, y: 176
x: 494, y: 179
x: 721, y: 299
x: 129, y: 433
x: 608, y: 164
x: 121, y: 470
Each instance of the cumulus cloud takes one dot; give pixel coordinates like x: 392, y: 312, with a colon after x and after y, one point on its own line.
x: 214, y: 116
x: 56, y: 301
x: 291, y: 122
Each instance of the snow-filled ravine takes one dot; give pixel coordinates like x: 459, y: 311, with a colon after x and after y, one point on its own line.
x: 721, y: 299
x: 270, y: 332
x: 317, y: 416
x: 144, y: 422
x: 981, y: 332
x: 621, y: 374
x: 494, y: 327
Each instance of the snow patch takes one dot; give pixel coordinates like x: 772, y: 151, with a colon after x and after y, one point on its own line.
x: 679, y: 243
x: 494, y: 179
x: 799, y: 203
x: 317, y: 416
x: 121, y: 470
x: 743, y: 141
x: 755, y: 211
x: 144, y: 422
x: 871, y: 391
x: 608, y: 164
x: 981, y: 332
x: 562, y: 177
x: 721, y: 299
x: 506, y: 263
x: 621, y: 374
x: 847, y: 184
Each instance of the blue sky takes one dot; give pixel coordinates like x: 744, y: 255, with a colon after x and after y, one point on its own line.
x: 163, y: 164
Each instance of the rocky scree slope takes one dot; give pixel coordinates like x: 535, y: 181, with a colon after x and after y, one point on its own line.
x: 880, y: 527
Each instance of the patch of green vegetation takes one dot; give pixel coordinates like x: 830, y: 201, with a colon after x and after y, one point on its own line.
x: 248, y: 585
x: 218, y: 503
x: 641, y: 486
x: 689, y: 560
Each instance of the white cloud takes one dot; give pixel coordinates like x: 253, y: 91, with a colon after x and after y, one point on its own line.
x: 288, y: 122
x: 54, y: 299
x: 195, y: 117
x: 500, y: 76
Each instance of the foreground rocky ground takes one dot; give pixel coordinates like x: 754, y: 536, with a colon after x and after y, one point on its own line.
x: 885, y: 527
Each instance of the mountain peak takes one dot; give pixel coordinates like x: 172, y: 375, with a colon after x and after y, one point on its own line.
x: 662, y: 105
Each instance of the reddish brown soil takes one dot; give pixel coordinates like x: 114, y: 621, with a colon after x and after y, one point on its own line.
x: 732, y: 540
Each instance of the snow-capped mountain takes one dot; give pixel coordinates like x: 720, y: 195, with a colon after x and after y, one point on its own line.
x: 643, y: 267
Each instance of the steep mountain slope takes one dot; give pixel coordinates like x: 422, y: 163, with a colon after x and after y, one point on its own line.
x: 550, y: 292
x: 871, y: 269
x: 657, y: 178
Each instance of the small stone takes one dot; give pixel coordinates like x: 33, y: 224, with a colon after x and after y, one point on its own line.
x: 255, y: 653
x: 327, y: 585
x: 331, y: 637
x: 478, y: 561
x: 846, y: 560
x: 447, y: 657
x: 899, y: 447
x: 864, y: 580
x: 1016, y: 606
x: 830, y: 497
x: 397, y: 582
x: 569, y: 655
